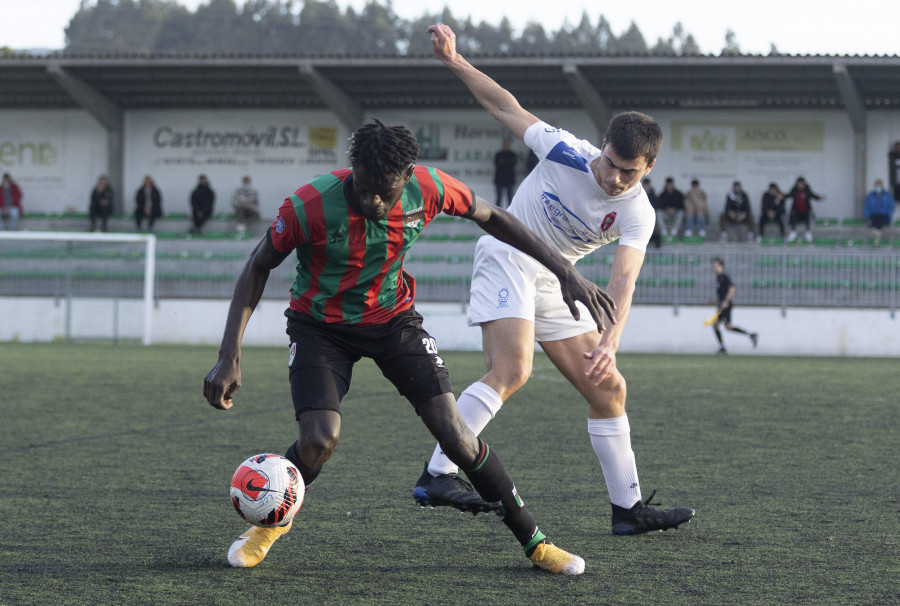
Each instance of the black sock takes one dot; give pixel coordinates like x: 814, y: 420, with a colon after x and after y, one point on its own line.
x: 719, y: 336
x: 490, y: 479
x: 309, y: 475
x: 740, y: 330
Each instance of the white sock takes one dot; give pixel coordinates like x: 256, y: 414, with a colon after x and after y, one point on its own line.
x: 477, y: 404
x: 611, y: 439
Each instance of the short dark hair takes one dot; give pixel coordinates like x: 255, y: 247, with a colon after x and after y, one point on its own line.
x: 695, y: 182
x: 383, y: 151
x: 634, y: 135
x: 719, y: 261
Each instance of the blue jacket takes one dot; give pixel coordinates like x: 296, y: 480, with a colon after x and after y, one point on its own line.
x: 878, y: 204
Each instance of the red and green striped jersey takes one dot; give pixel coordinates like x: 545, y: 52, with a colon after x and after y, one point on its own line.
x: 349, y: 269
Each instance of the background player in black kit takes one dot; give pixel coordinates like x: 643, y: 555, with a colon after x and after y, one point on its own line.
x: 725, y: 290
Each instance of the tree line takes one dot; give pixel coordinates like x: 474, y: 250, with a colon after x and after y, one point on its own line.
x: 277, y: 27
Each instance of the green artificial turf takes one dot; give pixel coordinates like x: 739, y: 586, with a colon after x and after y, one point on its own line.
x: 115, y: 478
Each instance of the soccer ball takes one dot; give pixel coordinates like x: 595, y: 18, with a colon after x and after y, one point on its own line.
x: 267, y: 490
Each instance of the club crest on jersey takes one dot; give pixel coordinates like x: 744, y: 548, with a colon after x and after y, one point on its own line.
x: 608, y: 220
x: 413, y: 217
x: 279, y: 225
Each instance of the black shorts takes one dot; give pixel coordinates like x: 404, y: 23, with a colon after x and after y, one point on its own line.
x: 322, y: 358
x: 725, y: 314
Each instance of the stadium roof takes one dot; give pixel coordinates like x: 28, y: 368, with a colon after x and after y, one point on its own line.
x: 168, y: 81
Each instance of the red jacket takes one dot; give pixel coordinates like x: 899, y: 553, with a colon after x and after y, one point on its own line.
x: 16, y: 194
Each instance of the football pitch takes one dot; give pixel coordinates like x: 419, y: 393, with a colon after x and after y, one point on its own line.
x: 115, y: 485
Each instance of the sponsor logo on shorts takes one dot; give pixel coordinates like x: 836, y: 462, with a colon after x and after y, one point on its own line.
x: 608, y: 220
x: 279, y: 225
x: 292, y: 354
x: 503, y: 298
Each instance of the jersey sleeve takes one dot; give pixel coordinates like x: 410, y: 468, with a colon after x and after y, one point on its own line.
x: 286, y: 231
x: 457, y: 197
x: 636, y: 233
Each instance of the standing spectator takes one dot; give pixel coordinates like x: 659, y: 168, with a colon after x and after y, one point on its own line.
x: 531, y: 162
x: 505, y: 173
x: 725, y: 290
x: 10, y: 204
x: 246, y: 205
x: 656, y: 237
x: 878, y: 210
x: 737, y: 213
x: 894, y: 170
x: 101, y: 203
x: 696, y: 210
x: 148, y: 204
x: 772, y: 210
x: 801, y: 208
x: 670, y: 207
x: 202, y: 200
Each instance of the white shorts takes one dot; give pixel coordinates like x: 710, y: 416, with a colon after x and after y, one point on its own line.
x: 507, y: 283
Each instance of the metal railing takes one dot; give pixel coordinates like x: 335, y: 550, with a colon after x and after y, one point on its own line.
x: 780, y: 276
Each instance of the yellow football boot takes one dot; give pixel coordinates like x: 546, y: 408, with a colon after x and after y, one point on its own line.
x: 553, y: 559
x: 251, y: 547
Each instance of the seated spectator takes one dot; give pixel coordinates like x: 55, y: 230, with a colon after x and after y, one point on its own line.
x: 656, y: 236
x: 696, y: 210
x: 10, y: 204
x: 246, y: 205
x: 878, y: 210
x: 203, y: 198
x: 737, y: 214
x: 101, y: 203
x: 148, y: 204
x: 801, y: 208
x: 670, y: 209
x: 772, y: 210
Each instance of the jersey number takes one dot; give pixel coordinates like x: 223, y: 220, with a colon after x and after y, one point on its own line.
x: 431, y: 347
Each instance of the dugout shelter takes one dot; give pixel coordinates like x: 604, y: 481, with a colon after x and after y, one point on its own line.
x: 64, y: 119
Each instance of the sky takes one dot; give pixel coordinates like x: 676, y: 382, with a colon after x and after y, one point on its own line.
x: 861, y: 27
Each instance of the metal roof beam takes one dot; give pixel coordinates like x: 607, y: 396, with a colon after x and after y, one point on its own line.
x: 592, y: 102
x: 856, y: 110
x: 348, y: 112
x: 105, y: 111
x: 108, y: 114
x: 850, y: 96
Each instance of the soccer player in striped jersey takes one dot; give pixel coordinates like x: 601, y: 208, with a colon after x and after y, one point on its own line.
x: 578, y: 198
x: 350, y: 230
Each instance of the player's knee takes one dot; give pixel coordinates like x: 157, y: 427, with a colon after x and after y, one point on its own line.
x: 510, y: 377
x: 612, y: 396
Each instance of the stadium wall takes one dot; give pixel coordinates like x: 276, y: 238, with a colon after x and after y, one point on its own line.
x: 651, y: 329
x: 56, y: 155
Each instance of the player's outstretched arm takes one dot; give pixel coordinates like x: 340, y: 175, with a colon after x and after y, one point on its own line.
x: 493, y: 97
x: 601, y: 361
x: 225, y: 378
x: 575, y: 287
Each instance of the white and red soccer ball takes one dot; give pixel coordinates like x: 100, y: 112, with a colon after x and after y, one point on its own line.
x: 267, y: 490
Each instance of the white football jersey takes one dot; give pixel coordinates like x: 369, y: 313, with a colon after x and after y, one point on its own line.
x: 564, y: 205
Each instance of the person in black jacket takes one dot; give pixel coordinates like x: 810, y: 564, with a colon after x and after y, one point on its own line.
x: 101, y: 203
x: 772, y: 210
x: 148, y: 204
x: 801, y: 208
x: 737, y: 212
x: 202, y: 200
x: 670, y: 207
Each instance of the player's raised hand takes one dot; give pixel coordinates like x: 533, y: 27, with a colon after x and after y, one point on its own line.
x: 576, y: 287
x: 221, y: 383
x: 443, y: 42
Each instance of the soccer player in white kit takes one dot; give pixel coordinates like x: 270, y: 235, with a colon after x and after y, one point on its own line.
x: 577, y: 199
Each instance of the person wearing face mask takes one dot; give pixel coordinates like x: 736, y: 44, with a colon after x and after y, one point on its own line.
x: 878, y: 210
